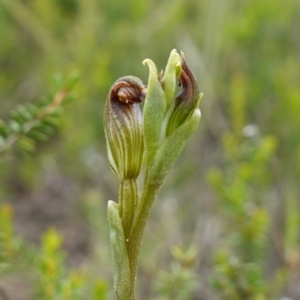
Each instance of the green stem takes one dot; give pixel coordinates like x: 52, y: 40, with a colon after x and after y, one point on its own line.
x: 138, y: 227
x: 128, y: 199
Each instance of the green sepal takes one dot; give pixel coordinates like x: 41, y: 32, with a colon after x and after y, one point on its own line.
x: 154, y: 111
x: 171, y: 148
x: 169, y: 80
x: 121, y: 267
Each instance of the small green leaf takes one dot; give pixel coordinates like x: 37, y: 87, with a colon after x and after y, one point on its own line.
x: 119, y: 253
x: 16, y: 116
x: 24, y: 112
x: 32, y: 109
x: 51, y: 121
x: 38, y: 136
x: 171, y: 147
x: 4, y: 129
x: 46, y: 129
x: 15, y: 126
x: 26, y: 143
x: 72, y: 80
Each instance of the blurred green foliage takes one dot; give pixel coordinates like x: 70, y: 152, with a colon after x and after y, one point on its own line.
x: 181, y: 282
x: 31, y: 123
x: 241, y: 186
x: 246, y: 221
x: 45, y: 266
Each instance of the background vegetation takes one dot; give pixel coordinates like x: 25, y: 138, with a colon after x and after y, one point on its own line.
x: 226, y: 223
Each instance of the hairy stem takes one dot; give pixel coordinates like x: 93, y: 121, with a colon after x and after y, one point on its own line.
x: 138, y: 227
x: 128, y: 199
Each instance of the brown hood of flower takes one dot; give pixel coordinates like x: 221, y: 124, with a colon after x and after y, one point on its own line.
x: 123, y: 125
x: 187, y: 100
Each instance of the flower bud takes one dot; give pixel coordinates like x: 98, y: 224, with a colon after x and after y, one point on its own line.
x: 172, y: 71
x: 187, y: 101
x: 123, y: 126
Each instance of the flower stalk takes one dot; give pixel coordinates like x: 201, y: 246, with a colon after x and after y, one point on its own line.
x: 135, y: 140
